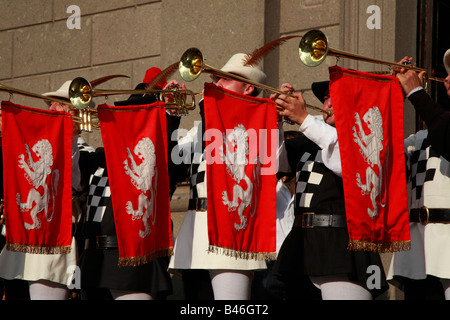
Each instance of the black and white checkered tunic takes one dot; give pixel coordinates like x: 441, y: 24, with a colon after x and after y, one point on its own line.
x: 99, y: 196
x: 317, y: 188
x: 191, y: 149
x: 429, y: 175
x: 428, y: 172
x: 309, y: 177
x: 84, y: 146
x: 98, y: 193
x: 320, y: 251
x: 198, y: 180
x: 98, y: 188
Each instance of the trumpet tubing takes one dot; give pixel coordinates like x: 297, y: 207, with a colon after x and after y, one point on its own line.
x: 30, y: 94
x: 87, y: 119
x: 313, y: 49
x: 84, y: 117
x: 192, y: 65
x: 81, y: 94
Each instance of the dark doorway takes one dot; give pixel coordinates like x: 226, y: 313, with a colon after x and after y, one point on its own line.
x: 433, y: 41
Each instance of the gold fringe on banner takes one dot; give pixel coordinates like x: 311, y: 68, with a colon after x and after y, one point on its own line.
x: 258, y: 256
x: 365, y: 245
x: 25, y: 248
x: 140, y: 260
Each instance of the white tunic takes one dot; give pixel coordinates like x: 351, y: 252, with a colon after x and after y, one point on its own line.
x: 429, y: 254
x: 32, y: 267
x: 191, y: 245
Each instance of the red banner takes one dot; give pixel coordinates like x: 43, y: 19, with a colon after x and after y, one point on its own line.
x: 368, y: 112
x: 241, y: 142
x: 135, y: 142
x: 37, y: 179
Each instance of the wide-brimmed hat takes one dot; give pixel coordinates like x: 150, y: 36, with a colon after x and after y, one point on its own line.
x: 447, y: 61
x: 62, y: 93
x: 320, y: 89
x: 236, y: 66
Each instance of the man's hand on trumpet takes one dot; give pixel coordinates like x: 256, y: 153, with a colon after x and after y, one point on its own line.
x: 292, y: 108
x: 168, y: 98
x: 409, y: 79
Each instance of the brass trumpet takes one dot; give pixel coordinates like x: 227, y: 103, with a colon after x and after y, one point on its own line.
x: 192, y: 65
x: 84, y: 118
x: 81, y: 94
x: 313, y: 49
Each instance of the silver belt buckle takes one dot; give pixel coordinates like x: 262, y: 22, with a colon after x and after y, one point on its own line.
x: 424, y: 215
x: 308, y: 220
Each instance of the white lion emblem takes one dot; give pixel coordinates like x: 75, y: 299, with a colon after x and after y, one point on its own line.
x: 370, y: 147
x: 141, y: 177
x: 36, y: 174
x: 236, y: 163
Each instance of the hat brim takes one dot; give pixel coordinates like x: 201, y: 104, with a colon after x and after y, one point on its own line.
x: 249, y: 73
x: 447, y: 61
x: 56, y: 96
x: 320, y: 89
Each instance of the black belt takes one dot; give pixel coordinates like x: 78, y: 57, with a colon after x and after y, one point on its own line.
x: 197, y: 204
x: 425, y: 215
x: 101, y: 242
x: 311, y: 220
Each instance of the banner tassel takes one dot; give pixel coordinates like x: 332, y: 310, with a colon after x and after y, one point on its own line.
x: 364, y: 245
x: 17, y: 247
x: 258, y: 256
x: 140, y: 260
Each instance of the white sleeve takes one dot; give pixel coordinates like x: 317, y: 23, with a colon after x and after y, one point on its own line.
x: 414, y: 90
x: 325, y: 136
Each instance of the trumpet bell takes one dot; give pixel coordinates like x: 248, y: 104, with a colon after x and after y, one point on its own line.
x: 80, y: 93
x: 191, y: 64
x: 313, y: 48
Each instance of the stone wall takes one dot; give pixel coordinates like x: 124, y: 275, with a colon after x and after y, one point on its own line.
x: 39, y: 50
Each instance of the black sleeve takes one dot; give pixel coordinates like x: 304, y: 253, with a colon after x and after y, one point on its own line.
x: 295, y: 148
x: 437, y: 120
x: 89, y: 162
x: 177, y: 172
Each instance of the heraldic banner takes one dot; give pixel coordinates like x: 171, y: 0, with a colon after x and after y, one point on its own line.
x: 135, y: 142
x: 368, y: 111
x: 241, y: 144
x: 37, y: 179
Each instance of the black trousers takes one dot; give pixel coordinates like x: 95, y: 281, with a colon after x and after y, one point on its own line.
x: 14, y: 290
x: 427, y: 289
x: 197, y: 285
